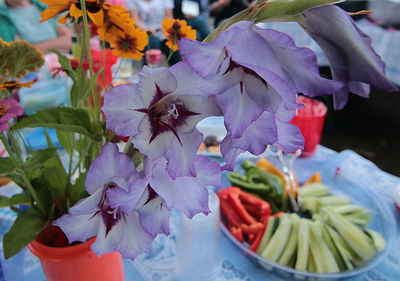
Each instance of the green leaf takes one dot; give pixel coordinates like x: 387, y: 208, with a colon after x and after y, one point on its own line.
x: 65, y: 64
x: 81, y: 88
x: 21, y: 58
x: 285, y: 10
x: 18, y: 199
x: 25, y: 229
x: 78, y: 190
x: 38, y: 158
x: 6, y: 165
x: 63, y: 119
x: 66, y: 140
x: 79, y: 91
x: 55, y: 176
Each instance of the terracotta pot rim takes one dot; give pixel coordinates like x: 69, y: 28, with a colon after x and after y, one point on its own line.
x: 56, y: 253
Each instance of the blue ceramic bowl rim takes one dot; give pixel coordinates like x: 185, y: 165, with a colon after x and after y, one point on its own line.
x: 390, y: 239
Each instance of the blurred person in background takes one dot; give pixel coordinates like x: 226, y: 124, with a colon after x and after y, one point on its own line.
x: 20, y: 19
x: 196, y: 13
x: 222, y: 10
x: 148, y: 15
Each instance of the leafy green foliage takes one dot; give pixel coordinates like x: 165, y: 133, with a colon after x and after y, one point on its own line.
x: 25, y: 229
x: 66, y: 139
x: 6, y: 165
x: 38, y: 158
x: 18, y: 199
x: 63, y: 119
x: 65, y: 64
x: 78, y: 190
x: 21, y: 57
x: 55, y: 176
x: 79, y: 91
x: 285, y: 10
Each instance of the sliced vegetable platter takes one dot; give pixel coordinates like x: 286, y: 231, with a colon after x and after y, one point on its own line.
x: 344, y: 228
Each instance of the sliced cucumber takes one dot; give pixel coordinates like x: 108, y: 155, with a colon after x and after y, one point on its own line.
x: 277, y: 243
x: 303, y: 242
x: 273, y: 223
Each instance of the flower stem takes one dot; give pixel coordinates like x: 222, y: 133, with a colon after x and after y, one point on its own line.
x: 10, y: 151
x: 32, y: 192
x: 86, y: 37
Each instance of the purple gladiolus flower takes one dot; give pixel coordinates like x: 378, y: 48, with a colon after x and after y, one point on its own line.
x: 9, y: 108
x: 162, y: 193
x: 255, y: 75
x: 161, y: 113
x: 352, y: 59
x: 116, y: 230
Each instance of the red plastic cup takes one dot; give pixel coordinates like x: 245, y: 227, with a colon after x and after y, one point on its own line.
x: 310, y: 121
x: 154, y: 57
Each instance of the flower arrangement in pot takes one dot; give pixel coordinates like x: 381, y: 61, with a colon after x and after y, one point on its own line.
x: 123, y: 197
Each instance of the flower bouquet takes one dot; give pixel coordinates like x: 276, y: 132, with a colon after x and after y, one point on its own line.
x: 249, y: 75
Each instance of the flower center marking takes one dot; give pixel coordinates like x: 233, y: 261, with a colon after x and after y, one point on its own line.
x: 166, y: 114
x: 172, y: 111
x: 110, y: 216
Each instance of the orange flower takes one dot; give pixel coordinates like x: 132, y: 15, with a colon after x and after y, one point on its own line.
x: 55, y: 8
x: 174, y: 30
x: 15, y: 85
x: 116, y: 19
x: 93, y: 7
x: 129, y: 44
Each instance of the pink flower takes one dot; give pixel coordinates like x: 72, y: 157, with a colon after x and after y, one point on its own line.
x: 9, y: 108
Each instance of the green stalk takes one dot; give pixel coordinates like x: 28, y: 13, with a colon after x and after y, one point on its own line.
x: 10, y: 151
x: 14, y: 143
x: 32, y: 192
x: 96, y: 108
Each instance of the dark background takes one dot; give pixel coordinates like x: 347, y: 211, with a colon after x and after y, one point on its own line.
x: 370, y: 127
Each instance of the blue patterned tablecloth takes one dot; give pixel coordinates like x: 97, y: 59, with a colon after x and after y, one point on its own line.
x: 346, y: 165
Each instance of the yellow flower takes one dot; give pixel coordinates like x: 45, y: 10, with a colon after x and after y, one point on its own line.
x: 116, y: 20
x: 174, y: 30
x: 15, y: 85
x: 93, y: 7
x: 55, y: 8
x: 129, y: 44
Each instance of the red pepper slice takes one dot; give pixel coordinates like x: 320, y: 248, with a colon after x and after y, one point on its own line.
x: 257, y: 241
x: 254, y: 211
x: 251, y: 229
x: 250, y: 199
x: 238, y: 206
x: 237, y: 233
x: 232, y: 217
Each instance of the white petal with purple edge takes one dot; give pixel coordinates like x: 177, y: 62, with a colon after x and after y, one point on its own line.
x: 126, y: 237
x: 229, y: 153
x: 119, y: 107
x: 126, y: 201
x: 265, y: 96
x: 184, y: 193
x: 110, y: 163
x: 207, y: 59
x: 258, y: 135
x: 148, y: 78
x: 208, y: 172
x: 204, y: 106
x: 289, y: 137
x: 154, y: 216
x: 300, y: 64
x: 83, y: 221
x: 348, y: 49
x: 158, y: 146
x: 181, y: 157
x: 239, y: 109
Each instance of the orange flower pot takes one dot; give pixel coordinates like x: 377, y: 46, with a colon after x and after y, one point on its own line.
x: 77, y: 263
